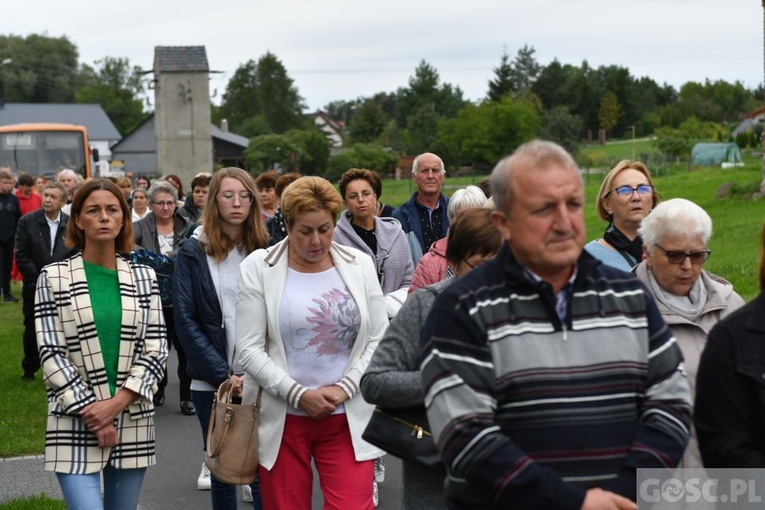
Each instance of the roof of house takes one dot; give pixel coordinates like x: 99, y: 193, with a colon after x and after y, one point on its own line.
x: 229, y: 137
x: 180, y: 59
x: 142, y: 137
x: 92, y: 116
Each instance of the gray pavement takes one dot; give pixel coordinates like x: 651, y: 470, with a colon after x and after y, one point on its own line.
x: 171, y: 484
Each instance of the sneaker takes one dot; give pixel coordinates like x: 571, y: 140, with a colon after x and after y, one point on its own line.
x: 379, y: 470
x: 10, y: 299
x: 246, y: 493
x: 375, y: 494
x: 204, y: 483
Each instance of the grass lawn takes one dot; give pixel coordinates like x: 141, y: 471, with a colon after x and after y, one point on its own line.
x: 23, y: 404
x: 35, y: 503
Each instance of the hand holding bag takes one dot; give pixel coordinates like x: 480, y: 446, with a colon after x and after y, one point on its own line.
x: 404, y: 433
x: 232, y: 438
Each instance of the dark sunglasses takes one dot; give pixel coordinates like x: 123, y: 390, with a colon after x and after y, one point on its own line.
x: 678, y: 257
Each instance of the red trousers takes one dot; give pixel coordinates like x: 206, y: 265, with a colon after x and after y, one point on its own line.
x: 345, y: 483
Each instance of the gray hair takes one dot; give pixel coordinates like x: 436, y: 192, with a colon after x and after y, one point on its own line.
x: 537, y: 154
x: 676, y: 217
x: 417, y: 162
x: 162, y: 187
x: 467, y: 198
x: 66, y: 171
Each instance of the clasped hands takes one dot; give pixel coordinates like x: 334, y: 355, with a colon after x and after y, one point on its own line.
x: 99, y: 417
x: 322, y: 402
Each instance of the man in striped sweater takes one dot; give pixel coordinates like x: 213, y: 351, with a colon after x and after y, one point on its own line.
x: 550, y: 378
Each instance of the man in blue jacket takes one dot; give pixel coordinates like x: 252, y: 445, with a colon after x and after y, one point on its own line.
x: 423, y: 217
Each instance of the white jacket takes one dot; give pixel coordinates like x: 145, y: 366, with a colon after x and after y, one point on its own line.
x: 262, y: 278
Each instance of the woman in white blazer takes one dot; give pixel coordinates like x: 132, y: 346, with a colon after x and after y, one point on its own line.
x: 103, y: 349
x: 310, y: 314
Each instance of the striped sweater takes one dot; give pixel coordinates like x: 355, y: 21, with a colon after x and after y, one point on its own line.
x: 530, y: 411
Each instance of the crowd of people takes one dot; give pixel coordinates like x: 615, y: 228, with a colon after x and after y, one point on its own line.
x: 550, y: 369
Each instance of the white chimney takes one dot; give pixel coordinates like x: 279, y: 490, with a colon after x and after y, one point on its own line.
x: 224, y: 125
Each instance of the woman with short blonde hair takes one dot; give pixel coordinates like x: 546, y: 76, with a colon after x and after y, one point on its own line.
x: 626, y: 196
x: 310, y: 313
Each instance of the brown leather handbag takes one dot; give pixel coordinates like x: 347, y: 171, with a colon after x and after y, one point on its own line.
x: 232, y: 438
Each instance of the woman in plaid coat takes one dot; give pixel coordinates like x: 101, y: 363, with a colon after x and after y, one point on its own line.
x: 103, y: 349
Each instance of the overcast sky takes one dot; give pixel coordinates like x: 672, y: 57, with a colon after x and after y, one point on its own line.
x: 341, y: 49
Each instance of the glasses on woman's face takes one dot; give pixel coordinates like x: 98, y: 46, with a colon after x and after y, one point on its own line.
x: 163, y: 205
x: 678, y: 257
x: 366, y: 195
x: 228, y: 198
x: 627, y: 191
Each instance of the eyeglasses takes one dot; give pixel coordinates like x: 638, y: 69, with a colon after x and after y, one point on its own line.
x: 625, y: 191
x: 367, y: 193
x: 162, y: 205
x: 227, y: 197
x: 678, y: 257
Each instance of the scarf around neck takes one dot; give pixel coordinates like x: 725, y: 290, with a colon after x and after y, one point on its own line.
x: 622, y: 243
x: 689, y: 306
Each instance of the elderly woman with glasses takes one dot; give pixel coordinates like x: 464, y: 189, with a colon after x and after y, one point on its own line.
x: 381, y: 238
x: 691, y: 300
x: 161, y: 231
x: 626, y: 196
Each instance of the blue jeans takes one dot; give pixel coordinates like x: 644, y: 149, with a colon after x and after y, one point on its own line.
x: 121, y: 489
x: 223, y: 495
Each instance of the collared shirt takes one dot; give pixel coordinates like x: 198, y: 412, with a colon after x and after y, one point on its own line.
x: 53, y: 226
x: 431, y: 221
x: 561, y: 297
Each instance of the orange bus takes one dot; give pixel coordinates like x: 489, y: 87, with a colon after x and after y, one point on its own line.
x: 44, y: 149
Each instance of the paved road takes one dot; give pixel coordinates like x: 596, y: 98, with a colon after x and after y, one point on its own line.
x: 171, y: 484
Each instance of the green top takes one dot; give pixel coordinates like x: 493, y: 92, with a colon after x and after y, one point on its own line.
x: 104, y: 289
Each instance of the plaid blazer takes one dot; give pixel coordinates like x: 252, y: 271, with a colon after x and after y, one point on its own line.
x: 74, y: 371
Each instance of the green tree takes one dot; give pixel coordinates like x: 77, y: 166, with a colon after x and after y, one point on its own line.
x: 267, y: 151
x: 262, y: 89
x: 370, y: 156
x: 116, y: 86
x: 483, y: 134
x: 424, y: 89
x: 525, y: 69
x: 610, y: 111
x: 313, y: 150
x: 368, y: 122
x: 421, y: 129
x: 672, y: 142
x: 563, y: 128
x: 42, y: 69
x: 502, y: 84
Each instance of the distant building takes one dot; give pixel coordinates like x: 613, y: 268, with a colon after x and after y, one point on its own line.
x: 751, y: 119
x: 102, y: 134
x: 181, y: 121
x: 331, y: 129
x: 138, y: 149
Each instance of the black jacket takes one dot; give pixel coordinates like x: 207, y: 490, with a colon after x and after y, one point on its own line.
x: 145, y: 232
x: 730, y: 390
x: 198, y: 316
x: 33, y: 250
x: 10, y: 212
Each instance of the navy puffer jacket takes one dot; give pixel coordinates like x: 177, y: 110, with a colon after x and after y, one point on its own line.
x: 198, y: 316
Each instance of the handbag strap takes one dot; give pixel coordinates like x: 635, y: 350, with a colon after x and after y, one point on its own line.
x: 260, y: 388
